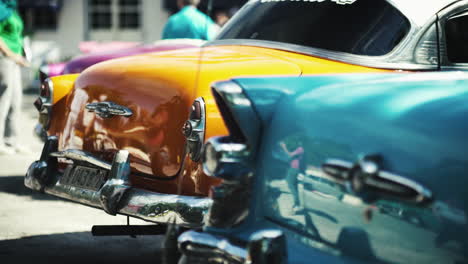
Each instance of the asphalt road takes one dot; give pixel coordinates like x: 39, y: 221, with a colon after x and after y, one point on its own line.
x: 38, y: 228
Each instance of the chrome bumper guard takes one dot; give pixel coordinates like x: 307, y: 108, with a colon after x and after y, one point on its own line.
x: 116, y: 196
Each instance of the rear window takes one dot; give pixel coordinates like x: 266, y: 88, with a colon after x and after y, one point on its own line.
x: 361, y: 27
x: 456, y: 33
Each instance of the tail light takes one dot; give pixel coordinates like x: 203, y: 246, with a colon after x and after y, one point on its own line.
x: 194, y: 129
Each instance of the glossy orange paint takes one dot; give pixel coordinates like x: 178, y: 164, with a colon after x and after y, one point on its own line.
x: 159, y: 88
x: 62, y: 86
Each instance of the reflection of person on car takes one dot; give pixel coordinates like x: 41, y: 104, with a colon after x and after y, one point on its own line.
x: 295, y: 167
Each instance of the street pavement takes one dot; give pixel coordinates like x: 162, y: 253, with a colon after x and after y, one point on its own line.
x: 38, y: 228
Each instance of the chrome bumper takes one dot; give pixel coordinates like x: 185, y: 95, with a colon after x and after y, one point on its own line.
x: 116, y: 196
x: 264, y: 246
x: 204, y: 246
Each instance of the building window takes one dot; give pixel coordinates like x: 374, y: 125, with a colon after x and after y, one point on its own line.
x: 110, y: 14
x: 44, y: 19
x: 129, y: 14
x: 38, y: 17
x: 100, y: 14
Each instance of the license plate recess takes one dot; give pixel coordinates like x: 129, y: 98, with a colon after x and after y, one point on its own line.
x: 84, y: 177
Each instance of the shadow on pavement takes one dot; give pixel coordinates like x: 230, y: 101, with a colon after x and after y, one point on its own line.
x: 15, y: 185
x: 79, y: 247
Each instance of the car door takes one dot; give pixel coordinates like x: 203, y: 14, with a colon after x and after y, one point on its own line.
x: 405, y: 131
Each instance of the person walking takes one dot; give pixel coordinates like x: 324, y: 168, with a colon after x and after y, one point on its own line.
x: 296, y: 167
x: 11, y: 48
x: 189, y: 22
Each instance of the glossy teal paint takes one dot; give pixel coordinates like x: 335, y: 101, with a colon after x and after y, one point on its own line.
x: 418, y: 123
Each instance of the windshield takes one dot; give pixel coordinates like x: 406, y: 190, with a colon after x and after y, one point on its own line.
x: 361, y: 27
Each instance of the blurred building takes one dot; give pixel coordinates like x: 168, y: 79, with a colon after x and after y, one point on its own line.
x: 58, y: 26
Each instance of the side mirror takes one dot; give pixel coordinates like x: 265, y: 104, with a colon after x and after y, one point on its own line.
x: 267, y: 247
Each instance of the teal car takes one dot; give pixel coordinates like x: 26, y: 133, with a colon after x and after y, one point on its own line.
x: 338, y: 169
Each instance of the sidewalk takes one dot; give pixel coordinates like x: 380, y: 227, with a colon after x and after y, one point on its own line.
x: 17, y: 164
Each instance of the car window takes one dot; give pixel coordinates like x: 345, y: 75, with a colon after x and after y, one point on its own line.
x: 363, y: 27
x: 456, y: 35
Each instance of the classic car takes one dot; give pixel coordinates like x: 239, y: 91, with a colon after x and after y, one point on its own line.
x: 395, y: 139
x: 114, y: 137
x: 80, y: 63
x: 52, y: 69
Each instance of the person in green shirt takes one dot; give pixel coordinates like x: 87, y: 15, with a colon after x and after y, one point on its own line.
x: 11, y: 49
x: 189, y: 22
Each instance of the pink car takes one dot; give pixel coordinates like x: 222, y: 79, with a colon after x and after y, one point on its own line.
x: 82, y: 62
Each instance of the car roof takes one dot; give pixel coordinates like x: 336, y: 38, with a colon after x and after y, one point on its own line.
x: 420, y: 11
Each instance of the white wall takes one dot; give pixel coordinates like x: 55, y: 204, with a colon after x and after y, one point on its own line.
x: 70, y: 30
x: 154, y: 19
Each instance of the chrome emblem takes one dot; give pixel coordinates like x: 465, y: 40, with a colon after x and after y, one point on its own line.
x: 109, y: 109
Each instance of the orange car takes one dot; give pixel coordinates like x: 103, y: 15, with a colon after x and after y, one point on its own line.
x: 125, y: 135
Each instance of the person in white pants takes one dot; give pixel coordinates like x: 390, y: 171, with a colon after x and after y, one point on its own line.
x: 10, y: 105
x: 11, y: 44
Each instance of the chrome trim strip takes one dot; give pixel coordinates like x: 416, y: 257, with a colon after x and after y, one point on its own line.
x: 79, y: 155
x: 116, y: 196
x: 216, y: 243
x: 384, y: 62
